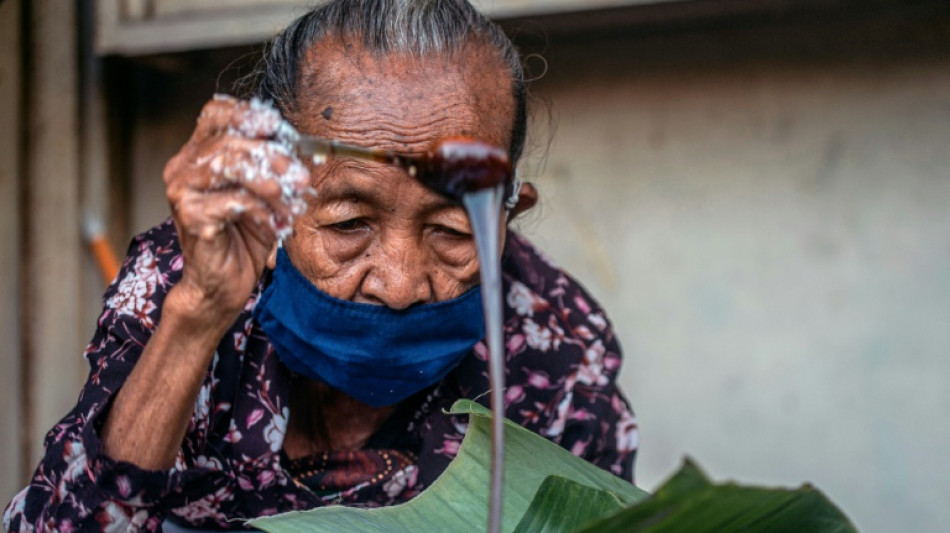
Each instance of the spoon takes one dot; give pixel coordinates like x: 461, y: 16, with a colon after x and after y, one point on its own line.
x: 454, y: 167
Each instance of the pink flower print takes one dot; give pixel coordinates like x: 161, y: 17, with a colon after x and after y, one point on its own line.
x: 74, y: 455
x: 146, y: 266
x: 539, y: 379
x: 556, y: 429
x: 234, y: 434
x: 203, y: 405
x: 514, y: 394
x: 584, y: 333
x: 59, y: 430
x: 521, y: 299
x: 515, y: 343
x: 276, y: 429
x: 266, y: 478
x: 207, y: 507
x: 582, y: 415
x: 16, y: 506
x: 101, y: 364
x: 245, y: 483
x: 400, y: 480
x: 255, y: 417
x: 531, y: 417
x: 481, y: 350
x: 104, y: 319
x: 591, y: 370
x: 582, y: 305
x: 91, y: 348
x: 598, y: 321
x: 132, y: 299
x: 124, y: 485
x: 251, y: 301
x: 211, y: 463
x: 222, y: 407
x: 537, y: 337
x: 180, y: 464
x: 627, y: 434
x: 133, y: 295
x: 114, y: 517
x: 177, y: 263
x: 579, y: 447
x: 450, y: 447
x: 557, y: 334
x: 240, y: 341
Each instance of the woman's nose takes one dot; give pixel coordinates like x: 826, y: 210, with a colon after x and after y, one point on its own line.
x: 398, y: 279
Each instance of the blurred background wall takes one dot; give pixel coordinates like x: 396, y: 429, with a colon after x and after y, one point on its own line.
x: 765, y: 211
x: 757, y: 191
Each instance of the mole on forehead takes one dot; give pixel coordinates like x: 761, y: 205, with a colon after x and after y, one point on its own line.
x: 404, y: 99
x: 389, y: 87
x: 410, y: 115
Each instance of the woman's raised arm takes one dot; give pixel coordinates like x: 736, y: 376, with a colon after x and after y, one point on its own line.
x: 233, y: 190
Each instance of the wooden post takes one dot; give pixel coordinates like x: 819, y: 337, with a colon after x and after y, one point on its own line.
x: 53, y: 342
x: 11, y: 414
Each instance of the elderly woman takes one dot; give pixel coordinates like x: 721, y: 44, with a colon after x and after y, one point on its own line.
x: 222, y: 383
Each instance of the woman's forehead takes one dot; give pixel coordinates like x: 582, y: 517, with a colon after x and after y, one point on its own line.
x: 402, y: 102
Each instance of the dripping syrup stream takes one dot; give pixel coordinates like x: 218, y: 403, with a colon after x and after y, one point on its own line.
x: 484, y: 211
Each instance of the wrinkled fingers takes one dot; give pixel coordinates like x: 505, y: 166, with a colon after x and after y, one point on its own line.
x: 264, y: 169
x: 208, y: 215
x: 246, y: 146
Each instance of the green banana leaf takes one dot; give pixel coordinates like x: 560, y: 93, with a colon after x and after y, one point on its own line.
x: 563, y: 506
x: 549, y: 490
x: 688, y: 502
x: 458, y: 500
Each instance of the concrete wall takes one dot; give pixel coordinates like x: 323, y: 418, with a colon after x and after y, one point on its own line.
x: 764, y: 213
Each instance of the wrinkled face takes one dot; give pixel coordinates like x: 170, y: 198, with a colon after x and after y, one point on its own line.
x: 373, y: 234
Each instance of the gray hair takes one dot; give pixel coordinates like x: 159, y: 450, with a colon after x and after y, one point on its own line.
x: 420, y: 27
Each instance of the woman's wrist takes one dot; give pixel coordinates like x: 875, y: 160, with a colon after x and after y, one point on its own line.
x: 191, y: 314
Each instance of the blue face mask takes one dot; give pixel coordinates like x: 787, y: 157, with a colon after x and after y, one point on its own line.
x: 375, y: 354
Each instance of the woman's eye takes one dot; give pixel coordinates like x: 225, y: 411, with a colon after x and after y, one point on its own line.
x: 452, y: 232
x: 349, y: 226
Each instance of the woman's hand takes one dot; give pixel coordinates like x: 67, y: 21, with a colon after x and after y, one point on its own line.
x: 233, y: 190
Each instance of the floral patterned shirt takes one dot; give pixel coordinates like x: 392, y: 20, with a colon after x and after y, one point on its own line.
x: 562, y: 361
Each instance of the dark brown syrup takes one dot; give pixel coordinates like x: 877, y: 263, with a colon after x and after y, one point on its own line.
x: 460, y: 165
